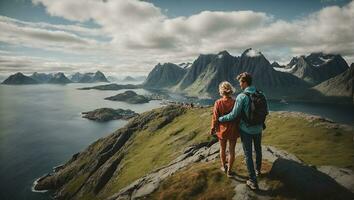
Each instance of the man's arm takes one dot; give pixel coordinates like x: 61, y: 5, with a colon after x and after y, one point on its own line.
x: 235, y: 111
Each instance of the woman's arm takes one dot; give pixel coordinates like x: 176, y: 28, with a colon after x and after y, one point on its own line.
x: 214, y: 119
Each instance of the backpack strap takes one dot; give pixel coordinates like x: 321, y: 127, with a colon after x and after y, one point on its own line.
x: 243, y: 113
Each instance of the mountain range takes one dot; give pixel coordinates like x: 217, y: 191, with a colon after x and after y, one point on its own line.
x: 292, y: 81
x: 56, y: 78
x: 316, y: 67
x: 208, y: 70
x: 19, y: 79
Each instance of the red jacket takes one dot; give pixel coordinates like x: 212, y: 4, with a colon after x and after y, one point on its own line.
x: 225, y: 130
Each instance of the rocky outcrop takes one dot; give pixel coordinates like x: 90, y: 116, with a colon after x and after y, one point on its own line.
x: 209, y: 151
x: 107, y: 114
x: 19, y: 79
x: 112, y: 86
x: 343, y: 176
x: 129, y: 97
x: 307, y: 182
x: 165, y: 75
x: 147, y: 184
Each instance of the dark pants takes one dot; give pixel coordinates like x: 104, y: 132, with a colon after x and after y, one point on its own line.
x: 247, y: 149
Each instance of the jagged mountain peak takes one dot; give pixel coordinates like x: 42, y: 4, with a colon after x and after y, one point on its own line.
x: 223, y: 53
x: 317, y: 67
x: 164, y: 75
x: 19, y: 74
x: 251, y: 53
x: 59, y: 74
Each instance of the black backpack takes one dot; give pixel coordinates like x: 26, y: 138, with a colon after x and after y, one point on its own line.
x: 258, y: 109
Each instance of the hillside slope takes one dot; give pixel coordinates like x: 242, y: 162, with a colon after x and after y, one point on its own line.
x: 136, y: 159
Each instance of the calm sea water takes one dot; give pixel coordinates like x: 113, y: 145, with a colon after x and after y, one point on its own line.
x: 41, y: 127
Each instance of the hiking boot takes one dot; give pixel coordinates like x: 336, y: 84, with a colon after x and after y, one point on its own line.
x: 258, y: 172
x: 230, y: 173
x: 224, y: 168
x: 252, y: 185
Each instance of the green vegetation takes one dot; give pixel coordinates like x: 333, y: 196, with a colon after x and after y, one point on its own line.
x: 311, y: 141
x: 75, y: 183
x: 206, y: 181
x: 153, y: 149
x: 202, y: 181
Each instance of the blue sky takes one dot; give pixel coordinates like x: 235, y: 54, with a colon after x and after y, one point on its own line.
x: 130, y: 37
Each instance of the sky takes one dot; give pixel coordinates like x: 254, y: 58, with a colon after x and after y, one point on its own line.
x: 129, y: 37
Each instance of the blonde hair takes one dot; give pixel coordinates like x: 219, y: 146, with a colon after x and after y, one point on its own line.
x: 225, y: 89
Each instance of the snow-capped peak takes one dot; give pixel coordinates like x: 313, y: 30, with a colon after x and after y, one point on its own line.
x: 253, y: 53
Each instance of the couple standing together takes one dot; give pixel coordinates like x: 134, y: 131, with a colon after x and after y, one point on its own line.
x: 243, y: 117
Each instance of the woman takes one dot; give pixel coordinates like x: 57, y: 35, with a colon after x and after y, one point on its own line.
x: 225, y: 131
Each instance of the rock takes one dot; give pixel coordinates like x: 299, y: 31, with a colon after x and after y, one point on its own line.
x: 129, y: 97
x: 343, y: 176
x: 106, y: 114
x: 307, y: 182
x: 244, y: 193
x: 149, y: 183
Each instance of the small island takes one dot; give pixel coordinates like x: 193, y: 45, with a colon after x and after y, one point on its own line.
x: 112, y: 86
x: 107, y: 114
x: 129, y: 97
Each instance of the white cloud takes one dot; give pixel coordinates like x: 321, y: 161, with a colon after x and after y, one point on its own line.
x: 141, y: 35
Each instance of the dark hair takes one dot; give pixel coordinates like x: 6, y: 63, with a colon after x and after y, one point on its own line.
x: 245, y: 77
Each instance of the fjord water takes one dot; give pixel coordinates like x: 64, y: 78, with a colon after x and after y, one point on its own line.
x: 41, y: 127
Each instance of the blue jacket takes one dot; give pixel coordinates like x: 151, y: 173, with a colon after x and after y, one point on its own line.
x: 242, y: 103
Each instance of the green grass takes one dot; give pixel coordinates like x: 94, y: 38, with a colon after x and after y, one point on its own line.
x: 314, y: 144
x: 75, y: 183
x: 151, y: 150
x: 311, y: 142
x: 202, y: 181
x: 206, y: 181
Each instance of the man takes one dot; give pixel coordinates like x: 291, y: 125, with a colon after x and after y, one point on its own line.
x: 249, y: 132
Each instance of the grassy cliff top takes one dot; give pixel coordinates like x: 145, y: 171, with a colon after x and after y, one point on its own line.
x: 156, y: 139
